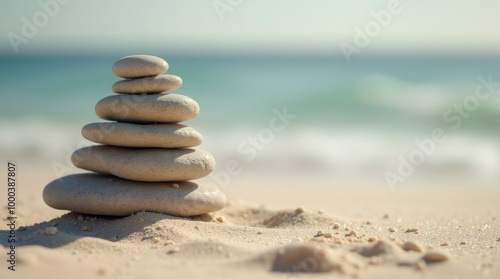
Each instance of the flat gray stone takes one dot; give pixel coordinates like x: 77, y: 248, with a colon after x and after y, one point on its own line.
x: 145, y: 164
x: 156, y: 108
x: 135, y: 66
x: 156, y: 84
x: 142, y: 135
x: 108, y: 195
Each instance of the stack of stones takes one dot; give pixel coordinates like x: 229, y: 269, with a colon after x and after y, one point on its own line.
x: 145, y: 159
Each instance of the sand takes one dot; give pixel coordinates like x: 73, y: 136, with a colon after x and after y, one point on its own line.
x: 267, y: 231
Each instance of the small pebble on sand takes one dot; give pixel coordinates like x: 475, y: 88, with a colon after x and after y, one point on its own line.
x: 336, y: 226
x: 300, y: 209
x: 221, y: 219
x: 197, y: 227
x: 435, y: 256
x: 411, y: 230
x: 444, y: 244
x: 412, y: 246
x: 392, y: 229
x: 463, y: 243
x: 320, y: 233
x: 175, y: 185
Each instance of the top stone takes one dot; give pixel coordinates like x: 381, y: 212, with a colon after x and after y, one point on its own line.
x: 135, y: 66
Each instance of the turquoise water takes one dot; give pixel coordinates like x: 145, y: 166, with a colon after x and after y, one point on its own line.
x: 353, y: 121
x: 321, y: 89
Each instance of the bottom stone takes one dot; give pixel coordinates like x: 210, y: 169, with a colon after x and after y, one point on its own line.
x: 101, y: 194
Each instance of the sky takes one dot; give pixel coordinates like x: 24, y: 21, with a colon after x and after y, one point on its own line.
x: 257, y: 26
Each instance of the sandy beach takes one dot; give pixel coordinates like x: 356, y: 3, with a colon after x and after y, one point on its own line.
x: 267, y: 231
x: 249, y: 139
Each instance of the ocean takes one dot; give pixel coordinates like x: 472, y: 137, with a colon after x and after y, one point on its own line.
x: 352, y: 121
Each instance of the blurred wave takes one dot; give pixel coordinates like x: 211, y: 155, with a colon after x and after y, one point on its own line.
x: 353, y: 120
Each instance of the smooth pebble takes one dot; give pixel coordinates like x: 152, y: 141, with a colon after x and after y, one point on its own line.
x: 156, y: 84
x: 135, y: 66
x: 412, y: 246
x: 142, y: 135
x: 100, y: 194
x: 145, y: 164
x: 157, y: 108
x: 435, y: 256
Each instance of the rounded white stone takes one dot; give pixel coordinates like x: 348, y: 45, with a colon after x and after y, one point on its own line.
x: 156, y: 84
x: 145, y: 164
x: 157, y: 108
x: 100, y: 194
x: 135, y: 66
x: 142, y: 135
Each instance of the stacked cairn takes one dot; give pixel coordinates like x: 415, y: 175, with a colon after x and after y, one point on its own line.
x: 146, y: 158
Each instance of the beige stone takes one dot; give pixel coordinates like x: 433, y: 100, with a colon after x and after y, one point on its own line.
x: 411, y: 245
x: 142, y: 135
x: 145, y: 164
x: 155, y: 84
x: 135, y: 66
x: 157, y: 108
x: 108, y: 195
x: 435, y: 256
